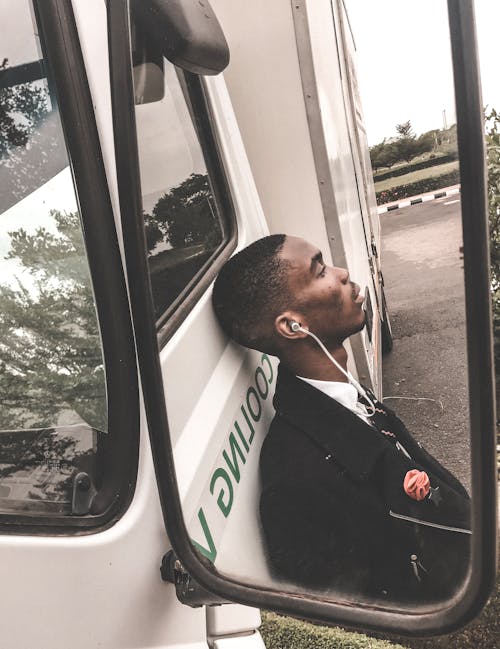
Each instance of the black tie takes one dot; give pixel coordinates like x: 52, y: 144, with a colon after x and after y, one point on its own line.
x: 379, y: 418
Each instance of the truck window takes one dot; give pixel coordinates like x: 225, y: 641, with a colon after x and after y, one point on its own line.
x: 54, y: 444
x: 188, y: 224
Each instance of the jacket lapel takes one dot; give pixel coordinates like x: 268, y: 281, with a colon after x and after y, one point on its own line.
x: 353, y: 444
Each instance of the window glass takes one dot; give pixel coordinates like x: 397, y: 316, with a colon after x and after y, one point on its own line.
x: 184, y: 226
x: 53, y: 413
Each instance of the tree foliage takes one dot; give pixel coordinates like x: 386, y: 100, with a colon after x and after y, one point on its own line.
x: 184, y: 216
x: 404, y: 147
x: 50, y: 359
x: 50, y: 351
x: 384, y: 154
x: 407, y: 144
x: 31, y: 141
x: 492, y: 119
x: 405, y: 130
x: 22, y: 108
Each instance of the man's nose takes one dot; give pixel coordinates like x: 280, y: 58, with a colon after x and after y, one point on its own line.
x: 343, y: 275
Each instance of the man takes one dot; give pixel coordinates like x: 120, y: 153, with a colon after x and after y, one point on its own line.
x: 349, y: 501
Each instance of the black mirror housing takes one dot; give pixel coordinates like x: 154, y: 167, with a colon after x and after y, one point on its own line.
x: 186, y: 32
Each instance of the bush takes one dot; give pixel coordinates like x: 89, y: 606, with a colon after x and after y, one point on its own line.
x: 419, y: 187
x: 423, y: 164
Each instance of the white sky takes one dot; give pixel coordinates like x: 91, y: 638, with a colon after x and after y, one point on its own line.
x: 30, y: 213
x: 404, y: 62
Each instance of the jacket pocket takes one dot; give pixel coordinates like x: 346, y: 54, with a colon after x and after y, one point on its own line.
x: 419, y: 521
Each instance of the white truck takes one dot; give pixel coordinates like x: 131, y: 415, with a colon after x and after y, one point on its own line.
x: 101, y: 134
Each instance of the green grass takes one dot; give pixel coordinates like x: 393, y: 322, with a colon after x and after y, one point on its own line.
x: 287, y: 633
x: 482, y: 633
x: 414, y: 176
x: 281, y: 632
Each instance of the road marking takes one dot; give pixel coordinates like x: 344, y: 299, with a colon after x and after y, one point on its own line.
x: 457, y: 200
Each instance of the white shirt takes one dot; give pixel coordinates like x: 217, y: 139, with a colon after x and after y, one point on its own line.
x: 345, y: 393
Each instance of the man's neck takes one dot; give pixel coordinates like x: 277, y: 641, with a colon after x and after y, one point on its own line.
x: 312, y: 363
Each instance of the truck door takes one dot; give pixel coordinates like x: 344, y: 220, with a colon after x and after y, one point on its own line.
x: 81, y: 535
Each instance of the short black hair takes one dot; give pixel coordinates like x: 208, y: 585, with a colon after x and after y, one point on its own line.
x: 250, y: 291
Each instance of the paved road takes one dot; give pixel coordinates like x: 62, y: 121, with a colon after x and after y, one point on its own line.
x: 425, y: 376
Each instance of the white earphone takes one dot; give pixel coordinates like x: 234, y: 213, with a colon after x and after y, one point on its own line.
x: 295, y: 326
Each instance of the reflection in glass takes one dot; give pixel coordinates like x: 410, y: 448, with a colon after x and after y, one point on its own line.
x: 48, y: 471
x: 327, y: 507
x: 183, y: 226
x: 52, y: 379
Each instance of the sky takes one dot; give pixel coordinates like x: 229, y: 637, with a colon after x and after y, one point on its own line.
x: 404, y: 62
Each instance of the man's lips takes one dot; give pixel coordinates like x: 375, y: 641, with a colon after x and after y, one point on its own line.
x: 356, y: 294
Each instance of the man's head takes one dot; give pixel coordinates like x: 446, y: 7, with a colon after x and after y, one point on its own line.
x: 250, y: 290
x: 278, y: 279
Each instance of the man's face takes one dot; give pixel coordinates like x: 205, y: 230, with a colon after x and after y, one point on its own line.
x: 330, y: 303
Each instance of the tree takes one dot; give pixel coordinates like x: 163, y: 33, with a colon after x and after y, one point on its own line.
x: 390, y: 155
x: 384, y: 154
x: 31, y: 142
x: 185, y: 215
x: 425, y: 142
x: 50, y: 350
x: 22, y: 108
x: 405, y: 130
x: 376, y: 152
x: 406, y: 144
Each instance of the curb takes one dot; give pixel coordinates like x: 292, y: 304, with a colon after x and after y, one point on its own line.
x: 415, y: 200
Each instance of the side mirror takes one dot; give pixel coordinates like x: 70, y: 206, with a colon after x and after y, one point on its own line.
x: 186, y: 32
x: 189, y: 467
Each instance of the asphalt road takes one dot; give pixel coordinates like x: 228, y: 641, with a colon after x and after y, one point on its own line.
x: 425, y: 375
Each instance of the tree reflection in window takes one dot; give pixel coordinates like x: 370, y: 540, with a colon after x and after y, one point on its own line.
x: 53, y: 405
x: 50, y: 351
x: 182, y: 233
x: 51, y: 371
x: 31, y: 142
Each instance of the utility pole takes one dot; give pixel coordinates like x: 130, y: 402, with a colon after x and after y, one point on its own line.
x: 445, y: 123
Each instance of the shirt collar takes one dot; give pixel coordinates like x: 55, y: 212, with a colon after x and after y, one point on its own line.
x: 343, y: 392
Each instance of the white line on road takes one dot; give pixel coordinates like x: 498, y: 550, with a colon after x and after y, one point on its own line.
x: 451, y: 202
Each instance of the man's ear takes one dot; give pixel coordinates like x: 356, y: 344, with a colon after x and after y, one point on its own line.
x: 283, y: 326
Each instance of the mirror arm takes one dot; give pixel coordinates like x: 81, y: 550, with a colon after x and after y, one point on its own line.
x: 188, y: 590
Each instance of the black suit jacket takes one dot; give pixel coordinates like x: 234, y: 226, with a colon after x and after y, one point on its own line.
x: 334, y: 511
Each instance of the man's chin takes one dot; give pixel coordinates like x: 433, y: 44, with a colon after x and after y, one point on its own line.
x: 362, y: 324
x: 365, y: 320
x: 354, y: 330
